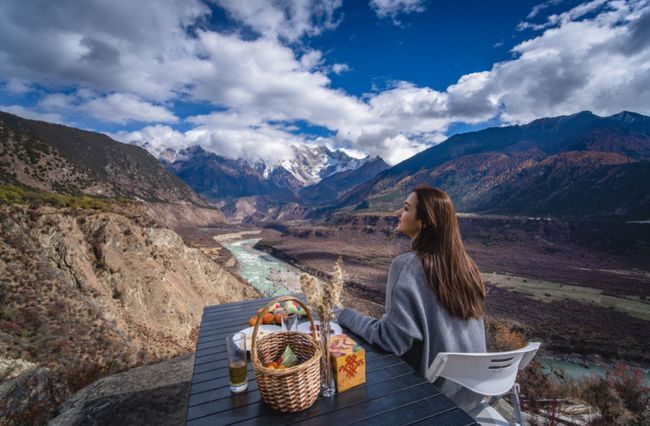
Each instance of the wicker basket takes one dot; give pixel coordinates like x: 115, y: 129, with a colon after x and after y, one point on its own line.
x: 291, y: 389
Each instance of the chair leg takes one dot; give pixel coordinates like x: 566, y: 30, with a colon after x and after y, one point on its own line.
x: 514, y: 392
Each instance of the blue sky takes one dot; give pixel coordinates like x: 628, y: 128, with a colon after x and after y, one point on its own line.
x: 380, y: 77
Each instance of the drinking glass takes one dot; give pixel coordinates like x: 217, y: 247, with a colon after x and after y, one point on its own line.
x: 290, y: 323
x: 237, y: 368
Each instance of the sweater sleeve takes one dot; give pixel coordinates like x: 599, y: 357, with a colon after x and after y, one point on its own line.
x: 397, y: 330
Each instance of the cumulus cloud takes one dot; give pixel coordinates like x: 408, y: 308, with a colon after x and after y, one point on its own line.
x: 122, y: 108
x: 17, y: 86
x: 157, y: 137
x: 141, y: 48
x: 287, y: 20
x: 340, y: 68
x: 266, y: 80
x: 119, y: 108
x: 226, y: 134
x: 124, y: 67
x: 28, y: 113
x: 593, y: 64
x: 393, y: 8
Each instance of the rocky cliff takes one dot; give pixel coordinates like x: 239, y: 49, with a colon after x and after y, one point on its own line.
x: 85, y: 293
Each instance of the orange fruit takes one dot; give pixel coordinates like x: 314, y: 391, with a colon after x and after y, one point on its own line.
x: 278, y: 317
x: 268, y: 318
x: 252, y: 321
x: 280, y: 367
x: 272, y: 364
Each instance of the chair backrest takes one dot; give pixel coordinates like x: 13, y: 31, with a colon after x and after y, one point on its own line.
x: 490, y: 373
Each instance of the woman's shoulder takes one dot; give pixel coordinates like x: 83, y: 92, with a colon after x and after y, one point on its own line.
x: 405, y: 261
x: 407, y: 274
x: 404, y: 258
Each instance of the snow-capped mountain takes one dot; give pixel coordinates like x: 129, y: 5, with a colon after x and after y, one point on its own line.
x: 216, y: 177
x: 311, y: 164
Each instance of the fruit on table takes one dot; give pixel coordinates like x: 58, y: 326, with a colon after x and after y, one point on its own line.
x: 292, y: 307
x: 252, y: 321
x: 279, y: 316
x: 268, y: 318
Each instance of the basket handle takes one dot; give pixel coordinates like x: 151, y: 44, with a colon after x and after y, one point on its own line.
x: 266, y: 310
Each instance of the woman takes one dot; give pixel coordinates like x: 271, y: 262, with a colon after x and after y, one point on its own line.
x: 434, y: 294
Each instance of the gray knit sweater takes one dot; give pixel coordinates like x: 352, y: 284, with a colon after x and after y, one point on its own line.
x: 416, y: 327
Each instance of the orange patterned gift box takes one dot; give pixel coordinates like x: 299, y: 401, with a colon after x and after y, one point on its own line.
x: 348, y: 361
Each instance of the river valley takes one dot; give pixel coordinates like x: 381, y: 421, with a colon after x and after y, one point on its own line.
x: 274, y: 277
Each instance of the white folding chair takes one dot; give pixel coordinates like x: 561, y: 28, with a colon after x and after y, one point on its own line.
x: 491, y: 373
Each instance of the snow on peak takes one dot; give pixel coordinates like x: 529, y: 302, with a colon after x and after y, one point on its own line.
x: 313, y: 163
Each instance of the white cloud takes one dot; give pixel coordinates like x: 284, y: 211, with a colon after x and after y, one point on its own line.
x: 114, y: 108
x: 57, y: 102
x: 132, y: 62
x: 354, y: 153
x: 17, y: 86
x: 311, y: 59
x: 28, y: 113
x: 158, y: 137
x: 118, y: 46
x: 554, y: 20
x: 123, y: 108
x: 265, y: 80
x: 538, y: 8
x: 600, y: 64
x: 393, y: 8
x: 225, y: 134
x: 288, y: 20
x: 340, y: 68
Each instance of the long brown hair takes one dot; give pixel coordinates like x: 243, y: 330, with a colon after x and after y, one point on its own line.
x: 450, y: 271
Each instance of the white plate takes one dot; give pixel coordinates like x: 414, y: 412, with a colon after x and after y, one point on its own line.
x: 304, y: 327
x: 263, y: 330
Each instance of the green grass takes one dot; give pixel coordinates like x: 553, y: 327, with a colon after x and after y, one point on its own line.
x: 547, y: 291
x: 12, y: 194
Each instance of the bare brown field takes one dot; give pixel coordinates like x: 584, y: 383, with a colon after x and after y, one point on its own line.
x: 602, y: 311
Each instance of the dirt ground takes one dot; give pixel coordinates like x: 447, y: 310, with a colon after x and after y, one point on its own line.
x: 580, y: 290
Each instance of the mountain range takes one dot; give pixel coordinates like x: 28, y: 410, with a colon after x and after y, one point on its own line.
x: 315, y: 174
x: 577, y: 165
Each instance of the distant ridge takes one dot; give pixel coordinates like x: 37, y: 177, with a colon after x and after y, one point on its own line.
x: 316, y: 174
x: 576, y: 165
x: 332, y: 187
x: 63, y: 159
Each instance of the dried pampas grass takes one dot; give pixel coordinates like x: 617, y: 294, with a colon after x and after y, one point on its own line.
x: 324, y: 298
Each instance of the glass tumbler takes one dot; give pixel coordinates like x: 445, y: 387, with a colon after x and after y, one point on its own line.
x: 290, y: 323
x: 237, y: 368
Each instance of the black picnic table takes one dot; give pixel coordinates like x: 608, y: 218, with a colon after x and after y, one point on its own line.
x: 393, y: 393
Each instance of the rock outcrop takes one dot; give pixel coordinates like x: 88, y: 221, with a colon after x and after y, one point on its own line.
x: 155, y: 395
x: 176, y: 216
x: 29, y: 397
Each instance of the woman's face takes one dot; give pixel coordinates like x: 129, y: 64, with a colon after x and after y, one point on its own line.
x: 408, y: 224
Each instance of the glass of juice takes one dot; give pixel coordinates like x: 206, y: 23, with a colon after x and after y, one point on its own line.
x: 237, y: 368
